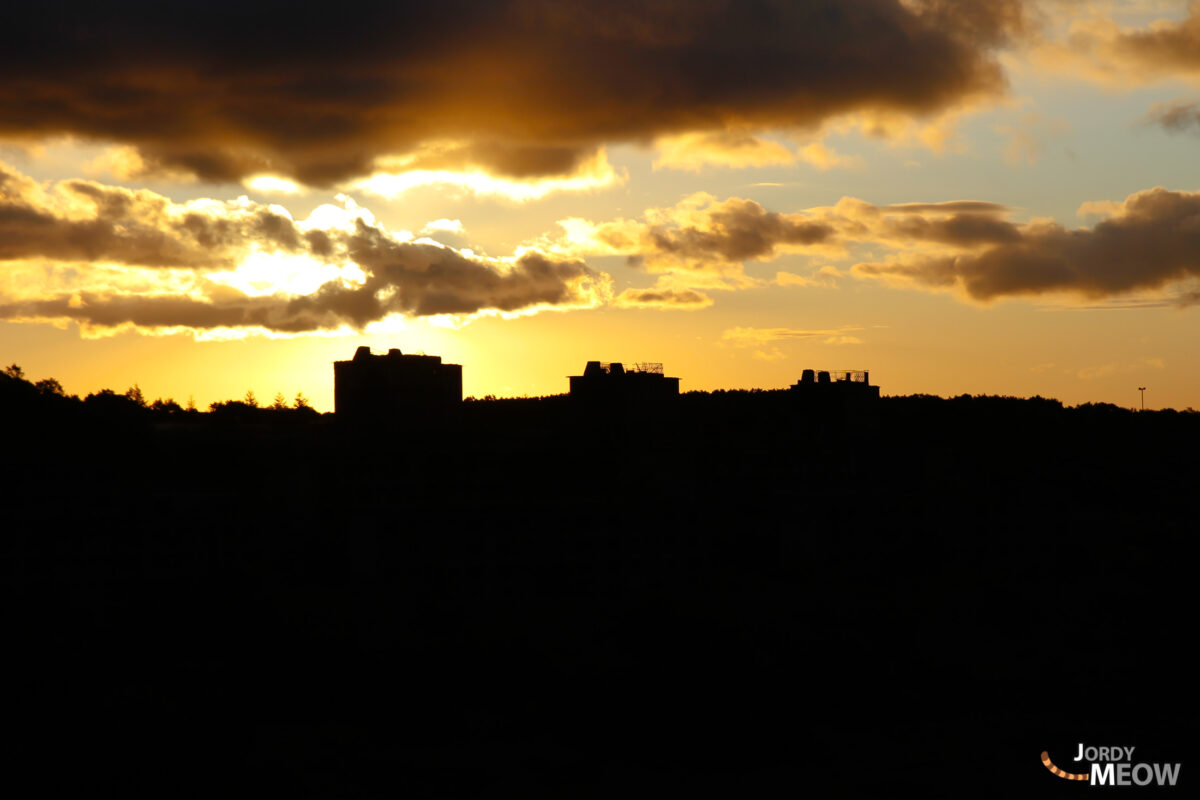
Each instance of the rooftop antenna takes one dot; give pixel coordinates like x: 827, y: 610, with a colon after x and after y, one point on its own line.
x: 1142, y: 389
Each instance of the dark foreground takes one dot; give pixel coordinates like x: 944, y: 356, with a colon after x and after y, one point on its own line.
x: 530, y: 599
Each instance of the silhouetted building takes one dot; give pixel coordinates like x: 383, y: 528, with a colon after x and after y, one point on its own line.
x: 838, y: 396
x: 850, y: 383
x: 620, y: 383
x: 380, y: 386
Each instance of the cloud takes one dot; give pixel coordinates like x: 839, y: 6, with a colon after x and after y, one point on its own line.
x: 86, y: 221
x: 704, y: 243
x: 692, y: 151
x: 112, y: 257
x: 1098, y: 47
x: 1114, y: 368
x: 758, y: 337
x: 272, y: 184
x: 826, y: 277
x: 663, y: 298
x: 1027, y: 138
x: 1092, y: 373
x: 958, y: 229
x: 1165, y: 46
x: 699, y: 234
x: 823, y: 157
x: 735, y: 230
x: 443, y: 225
x: 1097, y: 208
x: 768, y: 343
x: 394, y: 176
x: 407, y: 279
x: 1152, y: 241
x: 946, y: 207
x: 1177, y: 116
x: 527, y: 88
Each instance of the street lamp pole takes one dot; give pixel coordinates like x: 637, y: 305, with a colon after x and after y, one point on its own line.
x: 1142, y: 389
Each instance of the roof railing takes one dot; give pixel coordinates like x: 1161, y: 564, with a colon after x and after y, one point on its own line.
x: 638, y: 366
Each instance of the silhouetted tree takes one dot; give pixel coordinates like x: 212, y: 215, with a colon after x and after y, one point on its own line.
x: 49, y: 386
x: 280, y: 403
x: 168, y: 406
x: 15, y: 372
x: 301, y: 402
x: 250, y: 399
x: 235, y: 411
x: 134, y: 393
x: 108, y: 404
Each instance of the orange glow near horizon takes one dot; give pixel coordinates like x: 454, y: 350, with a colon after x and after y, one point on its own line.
x: 1014, y: 218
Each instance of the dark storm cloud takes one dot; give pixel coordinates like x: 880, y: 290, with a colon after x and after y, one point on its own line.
x: 525, y: 87
x: 1153, y: 241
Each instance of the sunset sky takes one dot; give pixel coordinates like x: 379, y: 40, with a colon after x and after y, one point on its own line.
x: 990, y: 197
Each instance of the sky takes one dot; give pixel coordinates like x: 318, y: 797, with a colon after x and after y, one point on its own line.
x: 961, y: 196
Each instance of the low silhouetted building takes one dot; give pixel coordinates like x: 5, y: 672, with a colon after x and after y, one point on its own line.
x: 371, y: 386
x: 847, y: 383
x: 623, y: 383
x: 838, y: 396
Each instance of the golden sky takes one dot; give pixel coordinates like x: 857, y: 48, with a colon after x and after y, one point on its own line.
x: 992, y: 196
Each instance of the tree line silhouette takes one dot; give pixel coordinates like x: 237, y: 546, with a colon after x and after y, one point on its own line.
x: 533, y: 597
x: 18, y: 394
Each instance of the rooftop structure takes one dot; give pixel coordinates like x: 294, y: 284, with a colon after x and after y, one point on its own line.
x: 846, y: 383
x: 617, y: 382
x: 375, y: 387
x: 838, y: 398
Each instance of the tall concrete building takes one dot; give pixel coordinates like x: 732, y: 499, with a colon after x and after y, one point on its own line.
x: 377, y: 387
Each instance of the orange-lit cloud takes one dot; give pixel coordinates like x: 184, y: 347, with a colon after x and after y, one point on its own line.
x: 529, y: 88
x: 703, y: 234
x: 412, y: 279
x: 702, y: 243
x: 757, y: 337
x: 1151, y: 242
x: 826, y: 277
x: 768, y: 343
x: 1089, y: 40
x: 393, y: 176
x: 822, y: 156
x: 90, y: 253
x: 700, y: 233
x: 86, y: 221
x: 692, y: 151
x: 663, y: 297
x: 1164, y: 47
